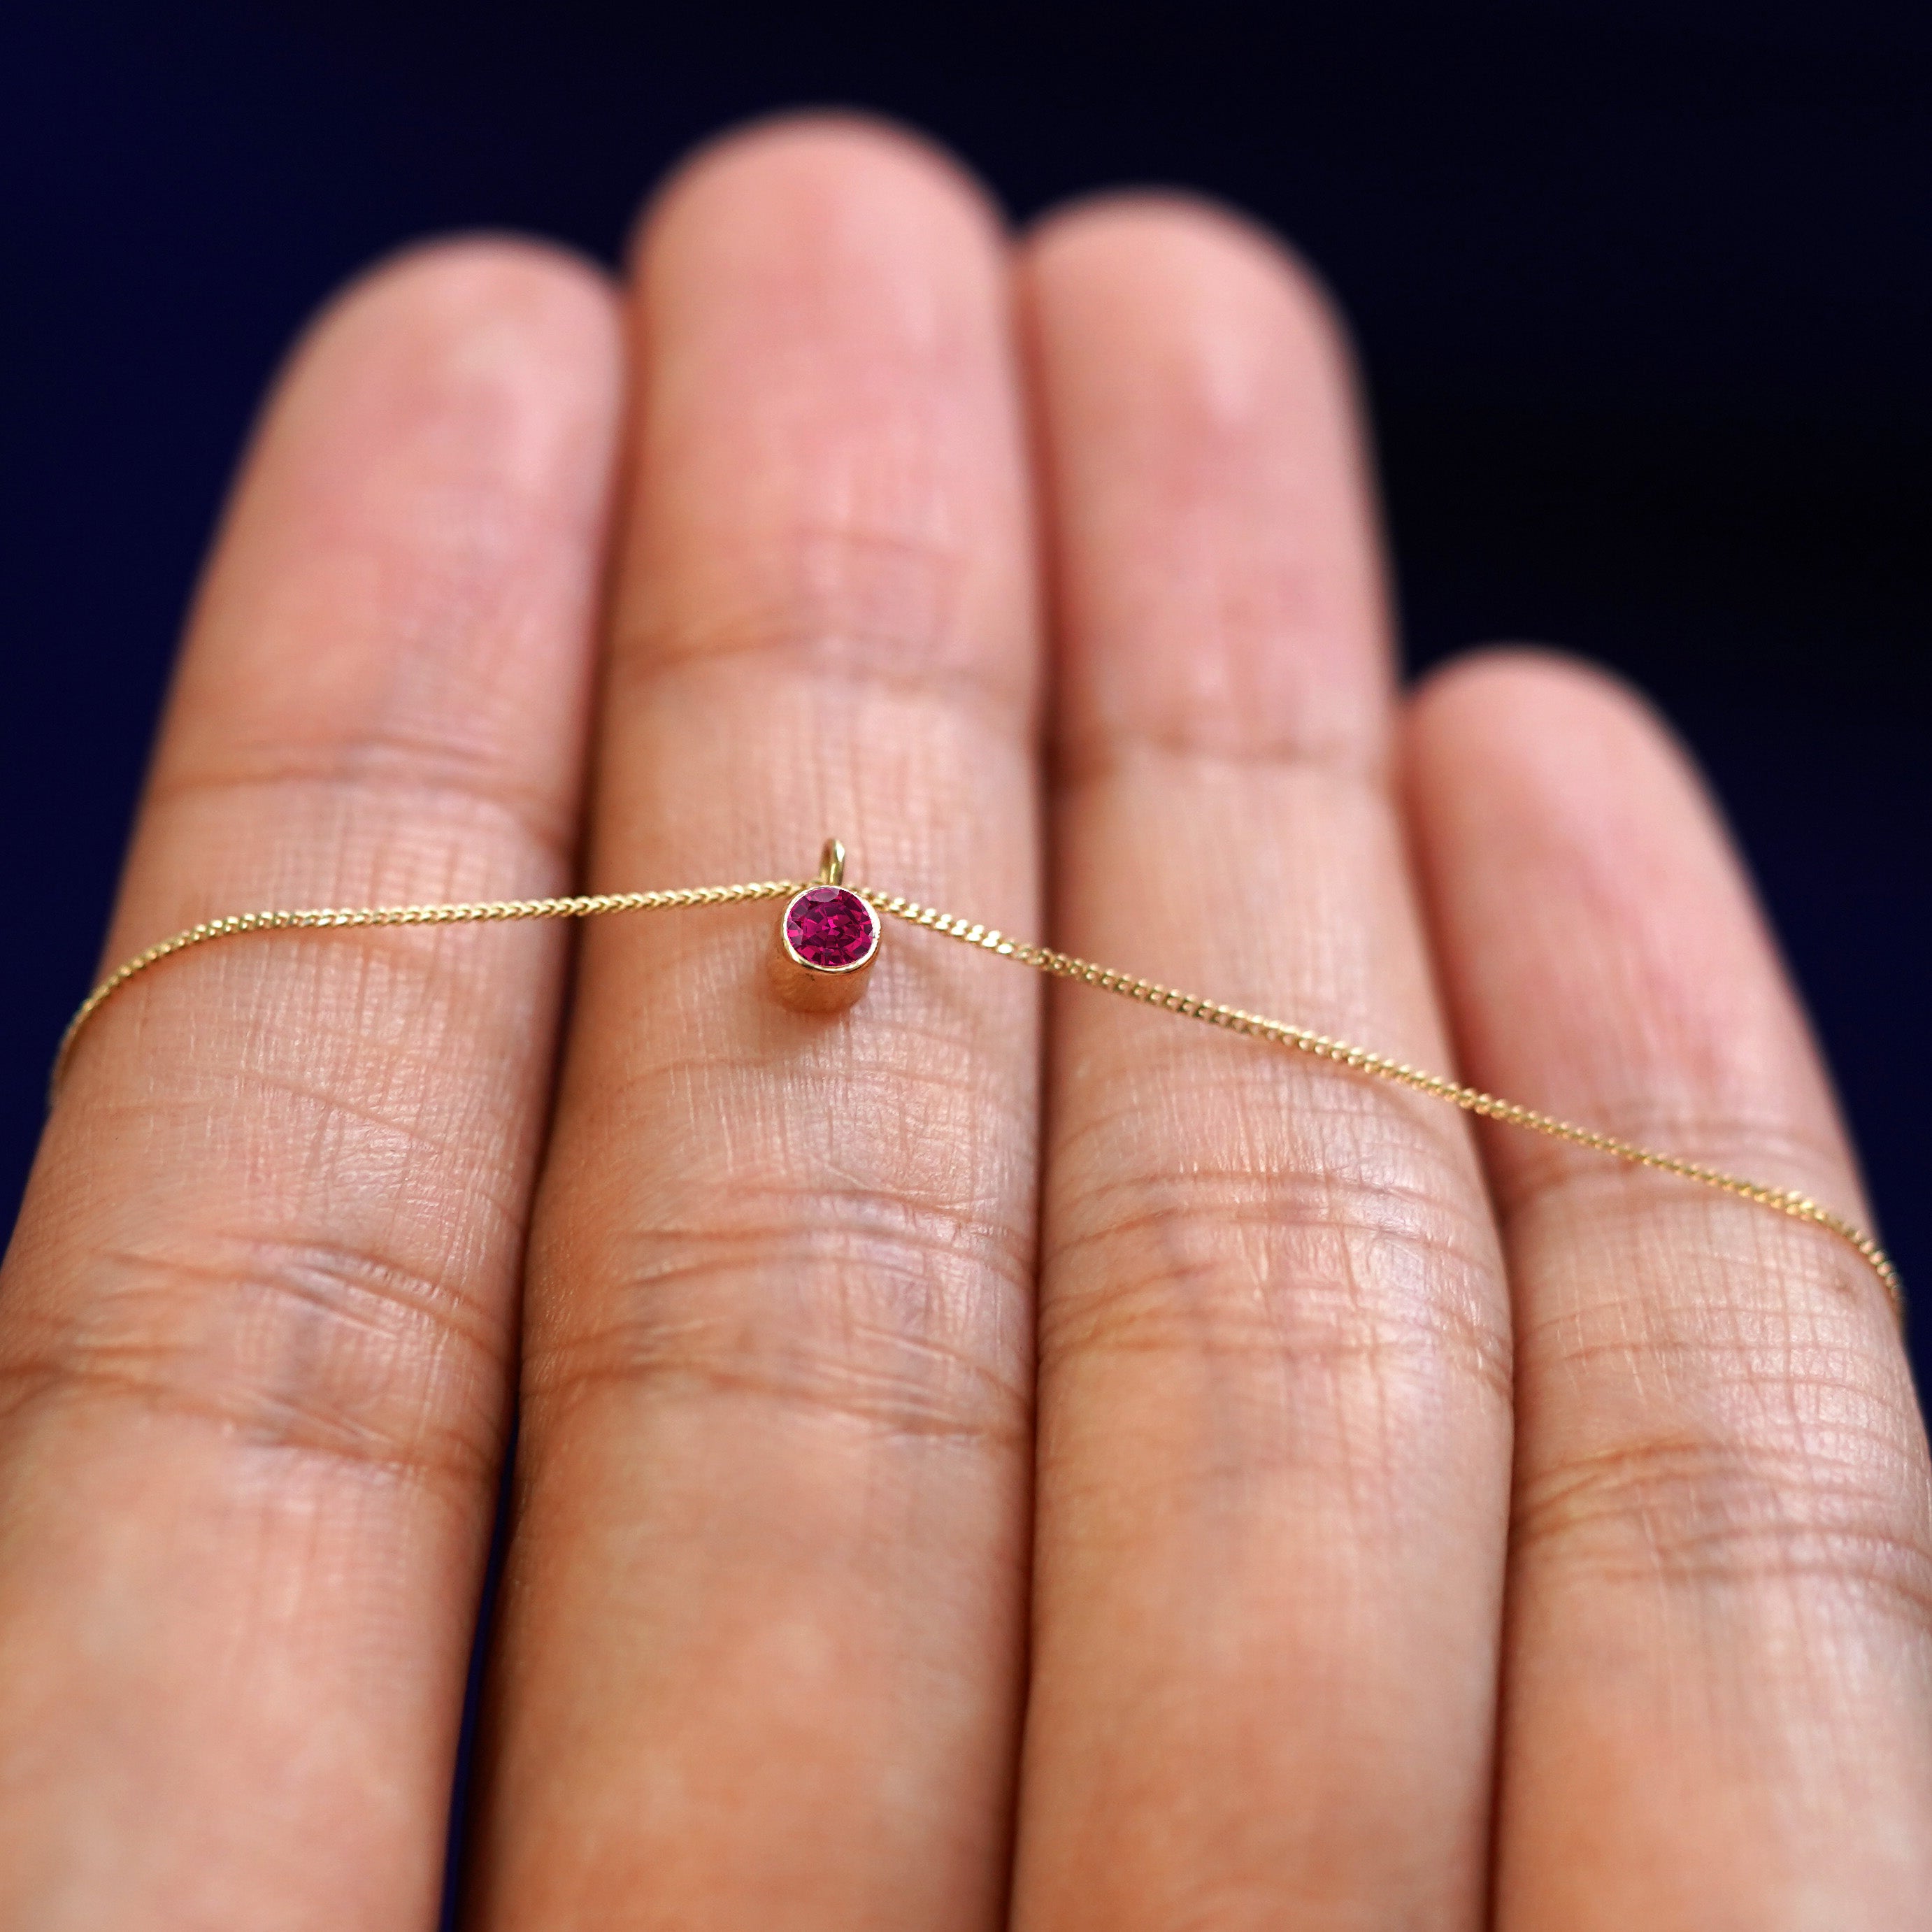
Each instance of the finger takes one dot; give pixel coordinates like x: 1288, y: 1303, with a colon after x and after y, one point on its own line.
x: 765, y: 1596
x: 1274, y: 1413
x: 1719, y: 1668
x: 256, y: 1324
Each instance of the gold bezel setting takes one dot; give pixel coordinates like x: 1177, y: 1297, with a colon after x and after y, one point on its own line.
x: 809, y: 985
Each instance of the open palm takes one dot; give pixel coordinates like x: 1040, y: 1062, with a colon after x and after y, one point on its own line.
x: 989, y: 1456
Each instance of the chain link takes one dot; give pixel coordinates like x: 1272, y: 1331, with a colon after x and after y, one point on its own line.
x: 1043, y: 959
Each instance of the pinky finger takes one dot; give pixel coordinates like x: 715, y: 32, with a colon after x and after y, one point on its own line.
x: 1718, y: 1655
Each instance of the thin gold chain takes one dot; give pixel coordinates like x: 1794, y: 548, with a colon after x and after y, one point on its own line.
x: 462, y: 913
x: 1043, y: 958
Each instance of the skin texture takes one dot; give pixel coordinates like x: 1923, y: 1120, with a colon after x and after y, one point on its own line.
x: 1721, y: 1499
x: 1274, y: 1335
x: 991, y: 1457
x: 259, y: 1318
x: 777, y: 1371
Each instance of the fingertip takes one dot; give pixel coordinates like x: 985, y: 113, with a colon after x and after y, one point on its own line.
x: 1125, y: 245
x: 1534, y: 731
x: 1214, y: 527
x: 1509, y: 678
x: 493, y: 358
x: 1564, y: 836
x: 808, y: 161
x: 492, y: 362
x: 503, y: 305
x: 432, y: 467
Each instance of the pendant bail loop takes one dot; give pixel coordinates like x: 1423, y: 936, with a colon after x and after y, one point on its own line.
x: 832, y: 864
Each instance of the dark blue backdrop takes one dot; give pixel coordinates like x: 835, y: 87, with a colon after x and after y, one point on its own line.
x: 1643, y: 290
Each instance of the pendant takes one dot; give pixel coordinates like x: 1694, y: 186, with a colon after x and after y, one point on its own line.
x: 827, y: 939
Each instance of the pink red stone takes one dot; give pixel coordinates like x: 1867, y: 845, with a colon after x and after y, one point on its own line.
x: 830, y: 927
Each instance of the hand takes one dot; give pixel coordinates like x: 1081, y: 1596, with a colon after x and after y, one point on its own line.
x: 1390, y: 1519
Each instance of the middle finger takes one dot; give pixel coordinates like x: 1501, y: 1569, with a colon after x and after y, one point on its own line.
x: 765, y: 1593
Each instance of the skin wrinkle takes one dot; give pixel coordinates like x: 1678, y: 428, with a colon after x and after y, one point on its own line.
x: 383, y: 1142
x: 911, y: 1045
x: 385, y: 861
x: 362, y: 1350
x: 907, y: 1241
x: 1338, y: 1125
x: 342, y: 1137
x: 874, y: 1072
x: 925, y: 1389
x: 1782, y: 1443
x: 891, y: 696
x: 436, y: 605
x: 1694, y: 1513
x: 1549, y: 1176
x: 860, y: 535
x: 419, y: 776
x: 1155, y: 1300
x: 1777, y: 1348
x: 1383, y: 1177
x: 1348, y: 1390
x: 1274, y: 1091
x: 1127, y: 754
x: 1345, y: 965
x: 390, y: 1002
x: 960, y: 1204
x: 877, y: 1267
x: 847, y: 755
x: 1733, y: 1252
x: 331, y: 1382
x: 252, y: 1420
x: 335, y: 1278
x: 314, y: 1111
x: 861, y: 606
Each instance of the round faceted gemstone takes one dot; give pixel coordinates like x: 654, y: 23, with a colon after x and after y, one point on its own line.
x: 830, y: 927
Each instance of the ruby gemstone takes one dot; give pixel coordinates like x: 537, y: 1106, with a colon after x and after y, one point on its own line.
x: 828, y: 928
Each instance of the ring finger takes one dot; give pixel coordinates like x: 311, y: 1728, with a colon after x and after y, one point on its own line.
x: 1274, y: 1382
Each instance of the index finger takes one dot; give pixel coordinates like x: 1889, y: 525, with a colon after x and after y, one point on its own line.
x: 257, y: 1323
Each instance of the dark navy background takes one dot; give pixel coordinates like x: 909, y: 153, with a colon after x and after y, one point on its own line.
x: 1643, y: 291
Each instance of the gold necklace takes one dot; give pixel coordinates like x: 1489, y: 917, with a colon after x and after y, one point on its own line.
x: 823, y: 953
